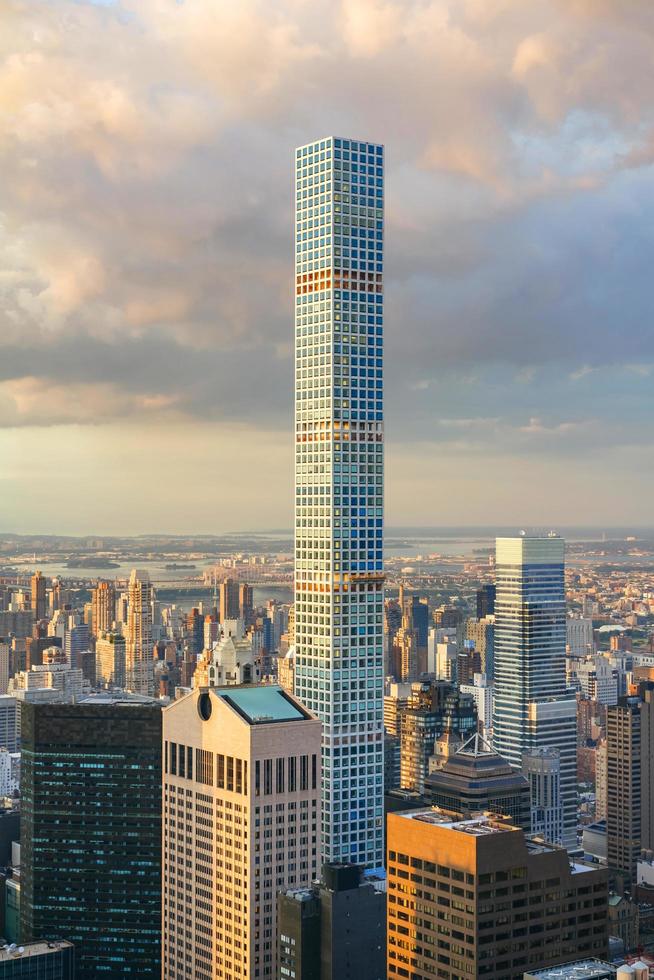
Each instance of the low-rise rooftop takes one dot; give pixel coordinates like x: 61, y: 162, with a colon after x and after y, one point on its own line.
x: 40, y: 948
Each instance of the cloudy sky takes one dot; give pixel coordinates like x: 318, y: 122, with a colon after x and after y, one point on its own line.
x: 145, y: 255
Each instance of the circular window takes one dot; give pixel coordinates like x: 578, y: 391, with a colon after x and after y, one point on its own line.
x: 204, y: 706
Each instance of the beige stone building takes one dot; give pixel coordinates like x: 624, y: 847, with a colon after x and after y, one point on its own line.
x: 241, y: 821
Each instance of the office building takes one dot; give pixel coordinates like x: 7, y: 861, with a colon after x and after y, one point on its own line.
x: 241, y: 822
x: 580, y: 642
x: 477, y: 898
x: 335, y: 930
x: 77, y: 640
x: 533, y: 707
x: 229, y: 600
x: 542, y: 769
x: 245, y: 602
x: 482, y: 634
x: 434, y: 708
x: 5, y: 658
x: 339, y: 603
x: 103, y: 608
x: 139, y: 667
x: 9, y: 727
x: 481, y: 693
x: 485, y: 601
x: 38, y: 596
x: 43, y: 960
x: 194, y: 631
x: 579, y: 970
x: 475, y: 779
x: 623, y: 789
x: 37, y: 643
x: 110, y: 660
x: 597, y: 680
x: 91, y: 832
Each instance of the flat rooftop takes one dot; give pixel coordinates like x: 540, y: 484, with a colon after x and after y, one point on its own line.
x: 260, y: 705
x: 41, y: 948
x: 579, y: 970
x: 476, y: 826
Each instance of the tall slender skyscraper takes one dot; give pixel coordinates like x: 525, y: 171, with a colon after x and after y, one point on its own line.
x: 533, y: 708
x: 139, y: 667
x: 39, y: 605
x: 339, y: 224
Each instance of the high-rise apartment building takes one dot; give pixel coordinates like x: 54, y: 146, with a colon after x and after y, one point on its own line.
x: 139, y: 667
x: 91, y: 832
x: 482, y: 634
x: 647, y: 765
x: 241, y: 809
x: 623, y: 789
x: 476, y: 898
x: 533, y: 707
x: 39, y: 599
x: 339, y: 602
x: 103, y: 608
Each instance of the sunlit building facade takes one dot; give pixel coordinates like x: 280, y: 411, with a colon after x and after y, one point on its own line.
x: 533, y: 708
x: 339, y: 223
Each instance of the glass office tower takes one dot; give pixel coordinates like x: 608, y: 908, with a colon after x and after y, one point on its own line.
x: 339, y: 224
x: 533, y: 708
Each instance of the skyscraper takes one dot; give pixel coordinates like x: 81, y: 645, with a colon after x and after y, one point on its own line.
x: 139, y: 668
x: 39, y: 605
x: 533, y: 708
x: 91, y: 832
x: 339, y: 223
x: 103, y: 606
x: 623, y: 789
x: 241, y: 810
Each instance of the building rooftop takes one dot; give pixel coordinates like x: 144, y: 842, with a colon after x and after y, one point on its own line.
x: 41, y: 948
x: 476, y: 826
x: 579, y: 970
x: 119, y: 698
x: 260, y: 705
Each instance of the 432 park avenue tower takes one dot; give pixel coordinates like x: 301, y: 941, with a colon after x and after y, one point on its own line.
x: 339, y: 446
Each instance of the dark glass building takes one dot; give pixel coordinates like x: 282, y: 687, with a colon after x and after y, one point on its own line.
x: 335, y: 930
x: 38, y: 961
x: 485, y: 601
x: 476, y: 779
x: 91, y: 832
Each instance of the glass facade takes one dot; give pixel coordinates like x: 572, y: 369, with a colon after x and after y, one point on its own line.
x: 339, y: 233
x: 91, y: 834
x: 533, y: 708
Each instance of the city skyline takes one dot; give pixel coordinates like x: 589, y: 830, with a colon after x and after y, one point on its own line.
x: 519, y: 353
